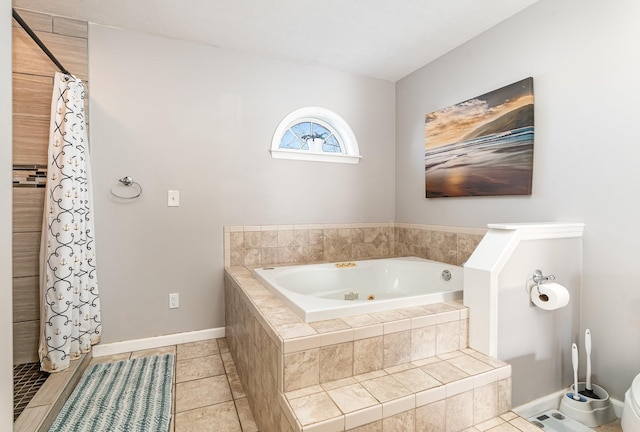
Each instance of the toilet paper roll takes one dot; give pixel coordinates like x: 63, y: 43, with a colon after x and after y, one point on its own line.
x: 550, y: 296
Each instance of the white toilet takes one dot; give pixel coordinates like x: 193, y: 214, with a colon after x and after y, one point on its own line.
x: 631, y: 413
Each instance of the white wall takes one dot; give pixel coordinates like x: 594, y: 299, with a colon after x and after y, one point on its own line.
x: 534, y: 341
x: 584, y: 60
x: 6, y: 305
x: 198, y: 119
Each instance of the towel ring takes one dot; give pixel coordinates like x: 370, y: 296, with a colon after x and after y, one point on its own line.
x: 128, y: 181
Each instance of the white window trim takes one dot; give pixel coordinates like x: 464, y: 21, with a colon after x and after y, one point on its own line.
x: 348, y: 138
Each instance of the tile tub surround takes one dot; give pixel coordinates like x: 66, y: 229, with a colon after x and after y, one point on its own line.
x: 409, y: 369
x: 302, y: 244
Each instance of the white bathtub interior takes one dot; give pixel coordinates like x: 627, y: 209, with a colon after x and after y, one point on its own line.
x: 318, y: 292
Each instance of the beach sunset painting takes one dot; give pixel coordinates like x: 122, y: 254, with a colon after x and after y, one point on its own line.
x: 482, y: 146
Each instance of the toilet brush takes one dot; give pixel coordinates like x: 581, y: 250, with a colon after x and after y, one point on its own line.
x: 574, y: 362
x: 588, y: 389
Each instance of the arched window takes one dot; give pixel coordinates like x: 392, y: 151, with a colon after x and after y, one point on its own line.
x: 315, y: 134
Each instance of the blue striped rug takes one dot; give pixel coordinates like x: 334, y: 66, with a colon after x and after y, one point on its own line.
x: 125, y: 396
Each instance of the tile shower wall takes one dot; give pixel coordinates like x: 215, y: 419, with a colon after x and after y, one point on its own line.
x: 303, y: 244
x: 32, y: 90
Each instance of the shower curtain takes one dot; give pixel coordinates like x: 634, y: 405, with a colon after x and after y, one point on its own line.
x: 70, y: 304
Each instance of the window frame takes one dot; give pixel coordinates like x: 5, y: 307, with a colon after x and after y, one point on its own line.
x: 324, y: 117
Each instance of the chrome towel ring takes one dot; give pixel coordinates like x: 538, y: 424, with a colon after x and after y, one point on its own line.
x: 128, y: 181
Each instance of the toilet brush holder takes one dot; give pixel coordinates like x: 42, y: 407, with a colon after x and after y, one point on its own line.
x: 588, y: 411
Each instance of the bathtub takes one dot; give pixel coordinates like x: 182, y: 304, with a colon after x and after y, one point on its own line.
x: 318, y: 292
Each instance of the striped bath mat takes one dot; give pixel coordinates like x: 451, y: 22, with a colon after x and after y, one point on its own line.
x: 125, y: 396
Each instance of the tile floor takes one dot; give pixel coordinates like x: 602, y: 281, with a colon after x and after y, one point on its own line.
x: 27, y: 380
x: 208, y: 395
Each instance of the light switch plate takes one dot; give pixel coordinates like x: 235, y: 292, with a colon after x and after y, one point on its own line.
x: 173, y: 198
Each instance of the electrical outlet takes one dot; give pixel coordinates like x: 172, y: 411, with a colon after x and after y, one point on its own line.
x: 174, y: 300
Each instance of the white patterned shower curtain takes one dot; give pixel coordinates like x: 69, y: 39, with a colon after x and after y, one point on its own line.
x: 70, y: 304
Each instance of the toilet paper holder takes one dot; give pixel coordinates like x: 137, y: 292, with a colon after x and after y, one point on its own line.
x: 539, y: 278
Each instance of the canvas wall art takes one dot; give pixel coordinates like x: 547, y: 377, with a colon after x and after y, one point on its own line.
x: 482, y: 146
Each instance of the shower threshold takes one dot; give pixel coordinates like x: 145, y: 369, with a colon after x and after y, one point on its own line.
x: 43, y: 406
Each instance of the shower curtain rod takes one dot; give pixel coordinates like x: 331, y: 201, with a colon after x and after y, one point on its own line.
x: 37, y: 40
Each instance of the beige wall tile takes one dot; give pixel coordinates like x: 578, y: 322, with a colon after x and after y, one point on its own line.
x: 403, y: 422
x: 367, y: 355
x: 70, y: 27
x: 26, y: 250
x: 371, y: 427
x: 504, y: 395
x: 30, y: 59
x: 28, y: 206
x: 35, y: 20
x: 269, y: 239
x: 301, y: 369
x: 236, y: 240
x: 431, y: 417
x: 485, y: 402
x: 25, y: 341
x: 26, y: 299
x: 30, y: 139
x: 459, y: 411
x: 32, y: 95
x: 336, y: 362
x: 448, y: 337
x: 396, y: 348
x: 423, y: 342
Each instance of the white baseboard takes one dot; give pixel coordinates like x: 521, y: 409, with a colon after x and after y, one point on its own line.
x: 101, y: 350
x: 552, y: 401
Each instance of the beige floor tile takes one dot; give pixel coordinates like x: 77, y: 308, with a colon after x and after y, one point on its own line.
x: 314, y: 408
x: 212, y: 418
x: 386, y: 388
x: 470, y: 365
x: 246, y: 416
x: 199, y: 367
x: 416, y: 380
x: 222, y: 345
x: 110, y: 358
x: 444, y: 372
x: 227, y: 360
x: 352, y: 398
x: 236, y: 386
x: 171, y: 349
x: 197, y: 349
x: 202, y: 392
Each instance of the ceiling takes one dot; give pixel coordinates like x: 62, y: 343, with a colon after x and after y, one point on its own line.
x: 385, y: 39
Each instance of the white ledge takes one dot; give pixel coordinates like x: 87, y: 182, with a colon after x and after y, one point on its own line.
x: 543, y: 230
x: 311, y: 156
x: 483, y: 268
